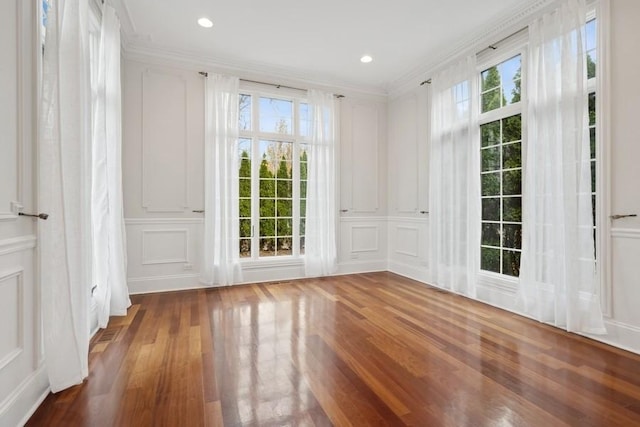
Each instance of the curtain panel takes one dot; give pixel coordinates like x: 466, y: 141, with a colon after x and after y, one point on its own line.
x: 107, y: 214
x: 454, y: 180
x: 557, y: 276
x: 64, y: 191
x: 221, y: 264
x: 320, y: 258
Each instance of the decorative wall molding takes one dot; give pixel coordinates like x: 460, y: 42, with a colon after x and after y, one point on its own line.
x: 21, y: 404
x: 354, y: 244
x: 364, y: 153
x: 146, y: 260
x: 17, y: 244
x: 625, y: 233
x: 5, y: 280
x: 362, y: 219
x: 163, y: 221
x: 415, y: 234
x: 424, y: 219
x: 149, y: 120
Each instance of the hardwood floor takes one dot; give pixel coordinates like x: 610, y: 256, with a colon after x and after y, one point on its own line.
x: 368, y: 349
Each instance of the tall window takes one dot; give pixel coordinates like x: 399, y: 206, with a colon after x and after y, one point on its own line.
x: 591, y: 53
x: 273, y: 155
x: 501, y: 167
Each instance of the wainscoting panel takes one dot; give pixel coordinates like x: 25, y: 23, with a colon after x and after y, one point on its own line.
x: 165, y: 246
x: 362, y: 244
x: 408, y: 246
x: 163, y: 253
x: 11, y: 315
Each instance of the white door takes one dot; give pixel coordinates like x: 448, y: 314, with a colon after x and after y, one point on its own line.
x: 23, y: 379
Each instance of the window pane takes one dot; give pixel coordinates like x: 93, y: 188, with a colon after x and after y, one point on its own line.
x: 276, y: 115
x: 490, y: 133
x: 592, y: 137
x: 244, y: 113
x: 267, y: 227
x: 592, y: 109
x: 511, y: 156
x: 492, y: 100
x: 510, y: 71
x: 284, y: 188
x: 302, y: 245
x: 284, y: 247
x: 490, y: 259
x: 512, y: 236
x: 512, y: 209
x: 245, y: 248
x: 305, y: 124
x: 303, y: 208
x: 491, y: 184
x: 284, y: 227
x: 245, y: 208
x: 593, y: 176
x: 267, y: 247
x: 267, y: 188
x: 491, y: 234
x: 511, y: 263
x: 245, y: 228
x: 490, y: 79
x: 512, y: 128
x: 591, y: 42
x: 284, y: 207
x: 267, y: 208
x: 491, y: 209
x: 490, y: 159
x: 303, y: 189
x: 245, y: 187
x: 512, y: 182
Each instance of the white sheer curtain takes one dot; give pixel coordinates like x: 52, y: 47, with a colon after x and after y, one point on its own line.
x: 107, y: 217
x: 320, y: 257
x: 557, y: 276
x: 221, y: 264
x: 64, y: 193
x: 454, y: 186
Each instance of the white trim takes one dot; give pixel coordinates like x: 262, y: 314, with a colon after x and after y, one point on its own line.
x: 16, y: 272
x: 405, y: 219
x: 17, y: 244
x: 22, y: 403
x: 419, y: 273
x: 166, y: 283
x: 163, y: 221
x: 625, y: 233
x: 348, y: 219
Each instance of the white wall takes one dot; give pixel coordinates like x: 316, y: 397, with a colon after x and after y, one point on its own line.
x: 407, y: 120
x: 163, y: 122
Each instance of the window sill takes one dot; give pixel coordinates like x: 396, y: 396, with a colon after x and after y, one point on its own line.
x: 498, y: 281
x: 288, y: 261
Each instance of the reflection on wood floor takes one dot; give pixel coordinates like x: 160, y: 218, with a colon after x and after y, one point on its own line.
x: 366, y: 349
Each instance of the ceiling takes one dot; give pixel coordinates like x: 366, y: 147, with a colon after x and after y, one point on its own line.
x: 313, y: 40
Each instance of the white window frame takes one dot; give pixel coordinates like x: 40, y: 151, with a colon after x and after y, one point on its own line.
x: 255, y: 135
x: 515, y: 45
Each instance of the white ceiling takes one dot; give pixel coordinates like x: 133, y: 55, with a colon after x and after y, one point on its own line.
x: 319, y: 40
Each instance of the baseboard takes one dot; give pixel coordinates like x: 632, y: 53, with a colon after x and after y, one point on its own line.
x: 355, y: 267
x: 621, y: 335
x: 23, y: 402
x: 414, y: 272
x: 177, y: 282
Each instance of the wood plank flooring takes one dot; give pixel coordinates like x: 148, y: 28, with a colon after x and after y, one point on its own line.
x: 360, y: 350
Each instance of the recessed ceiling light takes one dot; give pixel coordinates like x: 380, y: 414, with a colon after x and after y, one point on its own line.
x: 205, y: 22
x: 366, y: 59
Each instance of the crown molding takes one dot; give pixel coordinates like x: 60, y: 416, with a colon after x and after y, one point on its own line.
x: 505, y: 24
x: 141, y: 49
